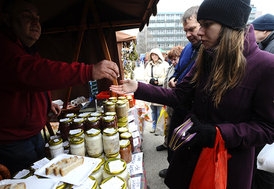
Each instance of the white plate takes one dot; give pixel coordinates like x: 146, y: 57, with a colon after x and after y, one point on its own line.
x: 33, y: 183
x: 76, y: 176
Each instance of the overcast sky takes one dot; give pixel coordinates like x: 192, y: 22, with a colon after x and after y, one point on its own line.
x: 266, y: 6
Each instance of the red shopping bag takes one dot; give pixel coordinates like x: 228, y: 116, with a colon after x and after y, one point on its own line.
x: 211, y: 169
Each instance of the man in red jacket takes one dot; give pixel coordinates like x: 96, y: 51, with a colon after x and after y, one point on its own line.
x: 25, y: 84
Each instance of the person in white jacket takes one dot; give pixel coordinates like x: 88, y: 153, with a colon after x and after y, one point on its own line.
x: 155, y: 73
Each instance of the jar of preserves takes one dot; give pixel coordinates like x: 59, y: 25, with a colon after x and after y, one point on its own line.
x: 130, y: 101
x: 56, y: 147
x: 112, y: 114
x: 109, y: 107
x: 122, y: 130
x: 77, y: 146
x: 70, y: 115
x: 123, y: 98
x: 115, y: 167
x: 125, y: 150
x: 78, y: 123
x: 128, y: 136
x: 98, y: 173
x: 111, y: 182
x: 93, y: 122
x: 121, y: 109
x: 94, y: 142
x: 111, y: 141
x: 64, y: 127
x: 76, y: 133
x: 108, y: 156
x: 96, y: 114
x: 109, y: 121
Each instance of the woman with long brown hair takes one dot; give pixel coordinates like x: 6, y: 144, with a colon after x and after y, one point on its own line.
x: 230, y: 87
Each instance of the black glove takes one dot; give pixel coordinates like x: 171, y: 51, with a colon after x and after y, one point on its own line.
x: 205, y: 134
x: 152, y: 81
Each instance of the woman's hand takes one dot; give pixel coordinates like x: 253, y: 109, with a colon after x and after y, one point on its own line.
x: 128, y: 86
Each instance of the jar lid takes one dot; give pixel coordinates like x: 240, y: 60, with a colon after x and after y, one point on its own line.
x: 120, y: 102
x: 103, y: 160
x: 65, y: 120
x: 77, y: 140
x: 110, y: 131
x: 76, y: 132
x: 118, y: 162
x: 112, y: 155
x: 124, y: 186
x: 92, y: 119
x: 121, y: 124
x: 93, y: 132
x: 124, y: 143
x: 78, y: 120
x: 122, y: 129
x: 112, y: 98
x: 70, y: 115
x: 129, y: 97
x: 123, y: 120
x: 95, y: 114
x: 121, y: 98
x: 93, y: 181
x: 61, y: 185
x: 55, y: 141
x: 110, y: 113
x: 126, y: 135
x: 82, y: 115
x: 109, y: 103
x: 97, y: 156
x: 108, y: 118
x: 98, y: 166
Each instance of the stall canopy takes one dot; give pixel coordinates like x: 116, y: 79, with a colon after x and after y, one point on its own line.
x: 84, y: 31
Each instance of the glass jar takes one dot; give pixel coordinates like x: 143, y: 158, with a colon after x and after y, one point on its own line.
x: 108, y: 156
x: 108, y: 121
x: 121, y: 130
x: 115, y: 167
x: 93, y: 122
x: 109, y: 107
x: 70, y: 115
x: 125, y: 150
x: 94, y: 142
x: 98, y: 173
x: 123, y: 98
x: 64, y: 127
x: 121, y: 109
x: 109, y: 179
x: 111, y: 141
x: 130, y: 101
x: 128, y: 135
x: 56, y: 147
x: 76, y: 133
x: 112, y: 114
x: 77, y: 146
x: 78, y: 123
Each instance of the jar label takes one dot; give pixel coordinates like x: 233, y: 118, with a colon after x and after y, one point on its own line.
x: 114, y: 182
x: 109, y: 130
x: 64, y: 119
x: 95, y: 114
x: 77, y: 119
x: 74, y: 131
x: 126, y: 135
x: 56, y: 140
x: 116, y: 166
x: 108, y: 117
x: 92, y: 131
x: 92, y: 118
x: 83, y: 114
x: 123, y: 142
x: 71, y: 114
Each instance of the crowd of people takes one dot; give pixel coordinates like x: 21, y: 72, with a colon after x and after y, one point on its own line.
x: 222, y: 78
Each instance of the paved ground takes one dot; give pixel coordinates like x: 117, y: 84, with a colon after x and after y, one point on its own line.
x: 154, y: 161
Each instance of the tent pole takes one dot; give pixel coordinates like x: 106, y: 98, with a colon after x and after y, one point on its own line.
x: 78, y: 46
x: 101, y: 35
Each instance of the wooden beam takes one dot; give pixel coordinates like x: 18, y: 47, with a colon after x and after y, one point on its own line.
x: 78, y: 45
x: 101, y: 35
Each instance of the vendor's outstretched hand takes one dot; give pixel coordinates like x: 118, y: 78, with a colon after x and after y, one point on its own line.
x: 128, y: 86
x: 105, y: 69
x: 205, y: 134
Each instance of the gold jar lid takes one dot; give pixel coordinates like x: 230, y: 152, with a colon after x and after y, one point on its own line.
x: 124, y: 143
x: 124, y: 186
x: 110, y: 131
x: 122, y: 98
x: 77, y: 140
x: 121, y: 124
x: 65, y: 120
x: 123, y: 120
x: 110, y: 113
x: 76, y: 132
x: 126, y: 135
x: 123, y: 129
x: 108, y: 118
x: 78, y: 120
x: 120, y: 102
x: 95, y: 114
x: 70, y: 115
x: 92, y: 119
x: 106, y: 167
x: 97, y: 156
x: 103, y: 161
x: 112, y: 98
x: 55, y: 141
x: 112, y: 155
x: 93, y: 132
x: 95, y: 184
x: 109, y: 103
x: 83, y: 115
x: 129, y: 97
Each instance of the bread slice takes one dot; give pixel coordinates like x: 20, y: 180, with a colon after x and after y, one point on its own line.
x: 69, y: 167
x: 20, y: 185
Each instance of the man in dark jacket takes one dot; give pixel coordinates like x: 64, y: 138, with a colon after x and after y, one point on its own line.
x: 264, y: 33
x: 25, y: 82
